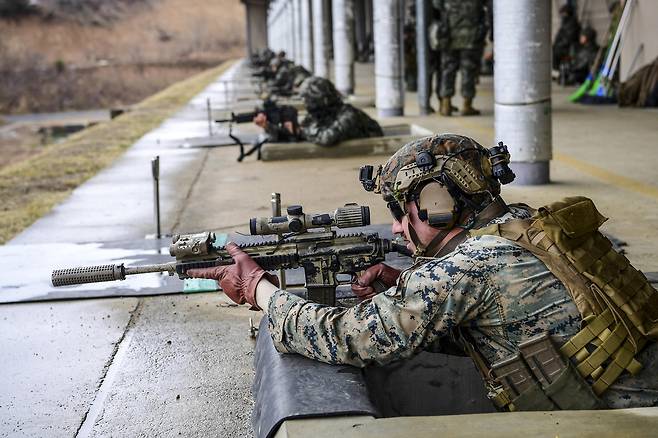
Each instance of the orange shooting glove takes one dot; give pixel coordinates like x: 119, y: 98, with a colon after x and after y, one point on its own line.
x: 374, y: 280
x: 239, y: 280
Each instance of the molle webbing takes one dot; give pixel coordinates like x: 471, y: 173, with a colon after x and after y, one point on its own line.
x: 617, y: 303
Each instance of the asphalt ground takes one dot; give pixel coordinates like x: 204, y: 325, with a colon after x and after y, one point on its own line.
x: 181, y: 364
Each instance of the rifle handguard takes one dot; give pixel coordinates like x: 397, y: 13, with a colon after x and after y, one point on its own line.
x: 88, y: 274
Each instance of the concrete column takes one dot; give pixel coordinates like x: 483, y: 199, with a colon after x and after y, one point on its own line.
x: 290, y: 30
x: 320, y: 59
x: 328, y: 29
x: 275, y: 24
x: 422, y: 56
x: 388, y: 57
x: 343, y: 21
x: 256, y: 11
x: 296, y: 54
x: 522, y: 86
x: 307, y: 35
x: 360, y: 29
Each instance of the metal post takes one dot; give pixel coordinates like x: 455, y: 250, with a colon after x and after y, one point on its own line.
x: 307, y: 35
x: 343, y: 37
x: 522, y: 86
x: 388, y: 58
x: 155, y: 170
x: 209, y: 111
x: 320, y: 59
x: 276, y: 211
x: 422, y: 56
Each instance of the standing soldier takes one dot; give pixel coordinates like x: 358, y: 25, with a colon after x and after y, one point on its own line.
x: 463, y: 27
x: 410, y: 61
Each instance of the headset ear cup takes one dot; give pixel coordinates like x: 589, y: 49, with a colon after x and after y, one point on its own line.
x: 437, y: 206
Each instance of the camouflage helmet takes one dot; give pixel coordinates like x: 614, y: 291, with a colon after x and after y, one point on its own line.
x: 319, y: 93
x: 458, y: 162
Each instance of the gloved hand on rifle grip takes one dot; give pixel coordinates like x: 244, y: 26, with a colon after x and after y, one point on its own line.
x: 239, y: 280
x: 364, y: 287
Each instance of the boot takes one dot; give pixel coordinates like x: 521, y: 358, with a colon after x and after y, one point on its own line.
x: 468, y: 109
x: 446, y: 107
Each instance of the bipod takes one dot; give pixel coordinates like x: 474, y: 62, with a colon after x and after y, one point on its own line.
x: 256, y: 147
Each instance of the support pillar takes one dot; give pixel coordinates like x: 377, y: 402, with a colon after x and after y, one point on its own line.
x: 343, y: 37
x: 360, y: 29
x: 306, y: 35
x: 328, y: 29
x: 320, y: 58
x: 522, y: 86
x: 388, y: 57
x: 296, y: 54
x: 423, y: 56
x: 256, y: 11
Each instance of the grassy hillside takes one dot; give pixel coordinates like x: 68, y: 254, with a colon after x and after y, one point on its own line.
x: 31, y: 187
x: 61, y: 62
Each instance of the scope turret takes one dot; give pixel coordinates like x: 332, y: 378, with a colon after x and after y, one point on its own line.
x: 296, y: 221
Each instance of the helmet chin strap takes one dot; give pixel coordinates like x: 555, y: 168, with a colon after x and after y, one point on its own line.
x: 447, y: 240
x: 433, y: 246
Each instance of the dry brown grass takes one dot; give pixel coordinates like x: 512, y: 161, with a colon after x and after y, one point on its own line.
x: 54, y: 65
x: 30, y: 188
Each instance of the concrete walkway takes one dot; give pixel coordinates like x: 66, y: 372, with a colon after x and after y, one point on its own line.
x: 181, y: 364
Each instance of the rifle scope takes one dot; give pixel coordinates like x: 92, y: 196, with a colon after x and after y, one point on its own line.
x: 351, y: 215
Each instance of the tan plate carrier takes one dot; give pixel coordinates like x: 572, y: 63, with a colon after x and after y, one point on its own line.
x: 619, y: 309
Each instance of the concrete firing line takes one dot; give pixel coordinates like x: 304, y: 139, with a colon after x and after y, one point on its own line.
x: 109, y: 375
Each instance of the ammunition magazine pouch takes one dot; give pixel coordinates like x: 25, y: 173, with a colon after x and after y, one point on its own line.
x: 618, y: 306
x: 539, y: 378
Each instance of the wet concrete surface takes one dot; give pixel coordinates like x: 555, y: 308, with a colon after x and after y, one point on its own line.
x: 187, y: 371
x: 53, y: 358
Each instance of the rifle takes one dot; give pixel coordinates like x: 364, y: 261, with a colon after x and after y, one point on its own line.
x: 276, y: 114
x: 264, y: 73
x: 323, y: 254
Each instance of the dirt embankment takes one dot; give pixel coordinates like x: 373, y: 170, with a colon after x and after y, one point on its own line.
x: 60, y: 63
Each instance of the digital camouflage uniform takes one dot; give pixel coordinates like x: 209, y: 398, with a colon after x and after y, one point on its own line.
x: 288, y: 77
x: 488, y: 290
x: 498, y: 293
x: 462, y: 32
x: 343, y: 123
x: 329, y: 120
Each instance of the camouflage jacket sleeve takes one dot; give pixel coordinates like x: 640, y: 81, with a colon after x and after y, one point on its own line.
x: 323, y: 134
x: 436, y: 297
x: 349, y: 123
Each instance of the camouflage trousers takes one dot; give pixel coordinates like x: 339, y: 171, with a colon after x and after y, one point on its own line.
x: 465, y: 60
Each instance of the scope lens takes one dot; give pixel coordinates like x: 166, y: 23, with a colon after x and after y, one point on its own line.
x: 252, y: 226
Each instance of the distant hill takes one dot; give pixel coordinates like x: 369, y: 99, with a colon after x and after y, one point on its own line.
x: 98, y: 12
x: 78, y: 54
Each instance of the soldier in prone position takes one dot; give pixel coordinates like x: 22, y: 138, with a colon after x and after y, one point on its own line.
x: 552, y: 315
x: 328, y: 121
